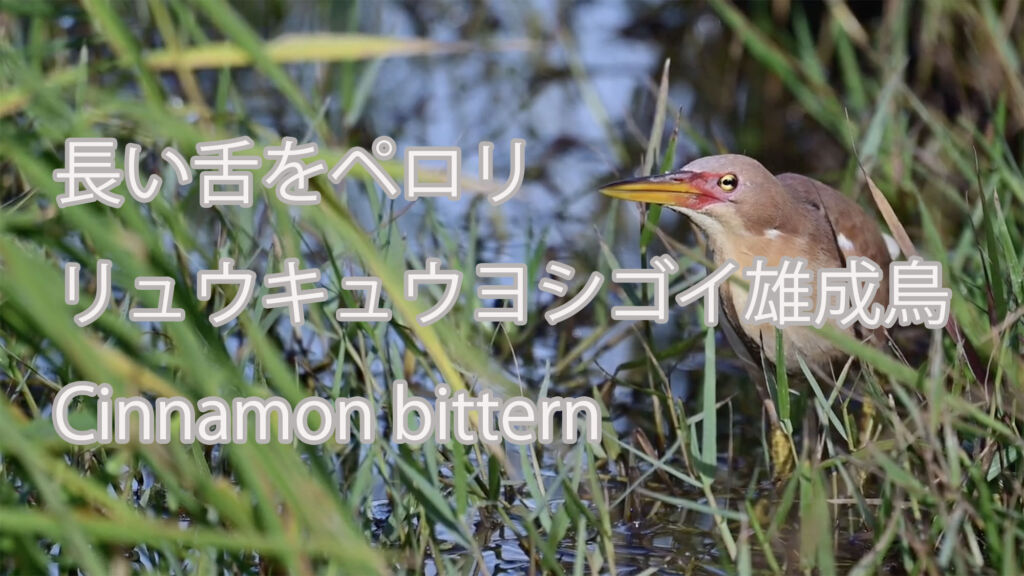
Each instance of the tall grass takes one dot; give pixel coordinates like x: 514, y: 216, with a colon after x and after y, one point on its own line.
x: 937, y: 483
x: 929, y: 480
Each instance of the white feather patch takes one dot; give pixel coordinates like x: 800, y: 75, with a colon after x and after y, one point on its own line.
x: 892, y: 246
x: 845, y: 244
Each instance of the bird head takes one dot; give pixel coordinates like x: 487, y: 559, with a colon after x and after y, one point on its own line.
x: 729, y: 191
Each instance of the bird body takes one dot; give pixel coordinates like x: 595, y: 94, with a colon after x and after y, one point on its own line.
x: 746, y: 212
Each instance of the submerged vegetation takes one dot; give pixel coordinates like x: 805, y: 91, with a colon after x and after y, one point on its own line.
x: 911, y: 465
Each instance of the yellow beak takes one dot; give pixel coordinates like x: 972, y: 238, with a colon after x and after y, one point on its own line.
x: 661, y: 189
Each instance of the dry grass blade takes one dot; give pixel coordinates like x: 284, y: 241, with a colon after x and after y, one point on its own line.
x: 304, y: 48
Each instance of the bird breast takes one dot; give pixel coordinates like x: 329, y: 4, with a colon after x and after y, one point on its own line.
x: 798, y: 341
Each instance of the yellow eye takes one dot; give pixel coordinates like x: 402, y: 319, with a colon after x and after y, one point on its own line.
x: 729, y: 182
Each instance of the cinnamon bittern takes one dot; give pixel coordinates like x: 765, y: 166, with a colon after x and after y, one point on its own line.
x: 745, y: 212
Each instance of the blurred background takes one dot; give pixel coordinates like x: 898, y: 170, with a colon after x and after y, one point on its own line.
x: 926, y: 98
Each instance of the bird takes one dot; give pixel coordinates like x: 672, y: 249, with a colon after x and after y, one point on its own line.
x: 747, y: 212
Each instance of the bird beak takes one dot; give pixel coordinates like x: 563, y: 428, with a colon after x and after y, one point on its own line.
x: 683, y: 188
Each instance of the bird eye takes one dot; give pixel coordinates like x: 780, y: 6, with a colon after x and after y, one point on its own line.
x: 729, y: 182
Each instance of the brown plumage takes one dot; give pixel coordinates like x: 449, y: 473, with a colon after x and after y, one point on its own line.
x: 746, y: 212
